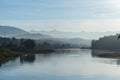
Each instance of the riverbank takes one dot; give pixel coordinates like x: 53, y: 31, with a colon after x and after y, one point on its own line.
x: 110, y: 55
x: 6, y: 55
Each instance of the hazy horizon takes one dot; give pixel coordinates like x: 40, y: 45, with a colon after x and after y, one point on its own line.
x: 55, y: 30
x: 63, y: 15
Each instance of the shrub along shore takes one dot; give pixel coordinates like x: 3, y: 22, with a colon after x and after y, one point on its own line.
x: 6, y: 55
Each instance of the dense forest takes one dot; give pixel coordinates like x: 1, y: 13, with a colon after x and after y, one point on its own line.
x: 23, y: 45
x: 111, y: 43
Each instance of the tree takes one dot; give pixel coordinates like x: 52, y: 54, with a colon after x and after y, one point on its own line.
x: 119, y: 37
x: 22, y: 42
x: 46, y: 45
x: 29, y: 44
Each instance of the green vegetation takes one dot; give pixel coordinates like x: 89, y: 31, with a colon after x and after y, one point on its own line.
x: 10, y: 46
x: 6, y: 54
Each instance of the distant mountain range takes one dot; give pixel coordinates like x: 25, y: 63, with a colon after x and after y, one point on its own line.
x: 83, y: 34
x: 54, y: 36
x: 73, y: 41
x: 8, y: 31
x: 32, y: 36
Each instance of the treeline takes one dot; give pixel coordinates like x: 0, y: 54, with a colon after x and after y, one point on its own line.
x: 47, y: 45
x: 107, y: 43
x: 23, y: 45
x: 17, y: 44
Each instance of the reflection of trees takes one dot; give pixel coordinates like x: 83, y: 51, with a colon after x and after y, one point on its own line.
x: 95, y: 53
x: 27, y: 58
x: 118, y: 61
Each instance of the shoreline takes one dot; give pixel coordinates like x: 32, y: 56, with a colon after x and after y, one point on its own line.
x: 110, y: 55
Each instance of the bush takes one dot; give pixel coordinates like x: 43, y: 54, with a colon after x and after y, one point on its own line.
x: 6, y: 54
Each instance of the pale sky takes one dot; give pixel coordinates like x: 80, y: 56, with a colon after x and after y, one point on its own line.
x: 63, y: 15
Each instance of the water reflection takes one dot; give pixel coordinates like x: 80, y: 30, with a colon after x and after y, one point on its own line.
x: 30, y: 58
x: 95, y: 56
x: 7, y: 61
x: 62, y: 65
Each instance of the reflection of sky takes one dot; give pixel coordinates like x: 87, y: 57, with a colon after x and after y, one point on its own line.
x: 77, y: 66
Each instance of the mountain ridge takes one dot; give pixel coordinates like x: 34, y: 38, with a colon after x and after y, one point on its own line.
x: 82, y: 34
x: 19, y: 33
x: 10, y: 31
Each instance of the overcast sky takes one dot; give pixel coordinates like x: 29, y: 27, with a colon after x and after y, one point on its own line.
x: 63, y: 15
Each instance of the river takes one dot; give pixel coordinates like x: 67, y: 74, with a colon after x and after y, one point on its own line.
x: 67, y: 64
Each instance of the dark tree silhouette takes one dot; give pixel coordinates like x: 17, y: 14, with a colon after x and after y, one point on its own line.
x: 119, y: 36
x: 22, y: 42
x: 29, y: 44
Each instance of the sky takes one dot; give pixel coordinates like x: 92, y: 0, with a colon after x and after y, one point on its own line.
x: 62, y: 15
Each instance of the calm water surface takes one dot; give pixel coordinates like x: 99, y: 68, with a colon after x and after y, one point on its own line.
x: 69, y: 64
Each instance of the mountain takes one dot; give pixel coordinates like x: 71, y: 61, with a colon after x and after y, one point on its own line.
x: 35, y: 36
x: 10, y: 31
x: 51, y: 37
x: 82, y: 34
x: 76, y: 42
x: 46, y: 38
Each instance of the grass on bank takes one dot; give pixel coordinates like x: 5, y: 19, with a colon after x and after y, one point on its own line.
x: 6, y: 54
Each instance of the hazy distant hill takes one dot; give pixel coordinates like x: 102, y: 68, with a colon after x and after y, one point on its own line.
x: 46, y: 38
x: 33, y: 36
x: 10, y: 31
x: 82, y: 34
x: 77, y: 41
x: 73, y: 41
x: 58, y: 37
